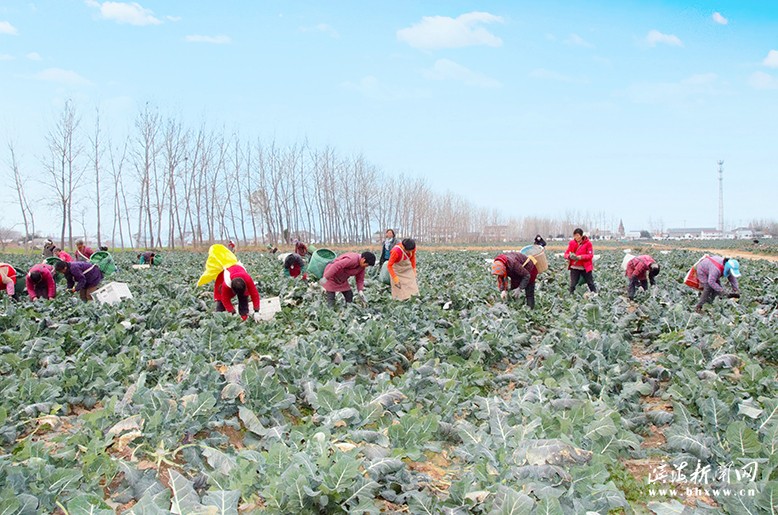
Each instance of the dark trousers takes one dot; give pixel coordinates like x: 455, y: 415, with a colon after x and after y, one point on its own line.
x: 243, y: 305
x: 707, y: 295
x: 86, y: 293
x: 348, y: 295
x: 41, y: 291
x: 575, y: 276
x: 633, y: 286
x: 530, y: 293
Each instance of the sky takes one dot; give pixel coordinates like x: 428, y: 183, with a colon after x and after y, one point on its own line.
x: 533, y: 108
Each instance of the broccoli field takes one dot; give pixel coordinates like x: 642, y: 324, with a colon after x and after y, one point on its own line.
x: 454, y: 402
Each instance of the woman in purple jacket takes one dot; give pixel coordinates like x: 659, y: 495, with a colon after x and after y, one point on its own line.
x: 82, y: 277
x: 710, y: 271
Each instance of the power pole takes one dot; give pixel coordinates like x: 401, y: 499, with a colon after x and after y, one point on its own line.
x: 721, y: 197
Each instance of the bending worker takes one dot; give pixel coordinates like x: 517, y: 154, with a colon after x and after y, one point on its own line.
x: 521, y: 271
x: 640, y: 271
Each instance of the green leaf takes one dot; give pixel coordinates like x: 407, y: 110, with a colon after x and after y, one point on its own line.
x: 88, y: 505
x: 383, y: 466
x: 185, y: 500
x: 251, y: 421
x: 341, y: 475
x: 549, y: 506
x: 510, y: 502
x: 743, y: 439
x: 226, y: 501
x: 219, y: 461
x: 666, y: 508
x: 768, y: 498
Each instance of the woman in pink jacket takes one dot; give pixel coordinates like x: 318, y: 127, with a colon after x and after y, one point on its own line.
x: 40, y: 282
x: 336, y: 275
x: 579, y: 256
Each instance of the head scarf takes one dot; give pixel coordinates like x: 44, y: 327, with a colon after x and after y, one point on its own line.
x: 498, y: 269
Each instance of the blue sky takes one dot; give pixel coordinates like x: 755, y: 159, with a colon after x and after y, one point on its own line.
x: 534, y: 108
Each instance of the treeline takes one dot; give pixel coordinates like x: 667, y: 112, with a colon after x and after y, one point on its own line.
x: 168, y: 185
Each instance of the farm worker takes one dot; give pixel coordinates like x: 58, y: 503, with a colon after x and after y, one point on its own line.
x: 8, y: 278
x: 231, y: 246
x: 402, y: 269
x: 146, y: 258
x: 521, y: 271
x: 640, y: 271
x: 231, y: 279
x: 272, y: 249
x: 579, y: 256
x: 294, y: 266
x: 64, y: 256
x: 709, y: 273
x: 83, y: 253
x: 82, y: 277
x: 390, y: 240
x: 539, y: 240
x: 40, y: 282
x: 234, y: 281
x: 300, y: 248
x: 48, y: 248
x: 337, y: 272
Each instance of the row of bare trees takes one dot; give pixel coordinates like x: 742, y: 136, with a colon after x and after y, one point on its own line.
x: 170, y: 185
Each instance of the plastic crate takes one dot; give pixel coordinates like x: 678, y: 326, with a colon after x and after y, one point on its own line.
x: 112, y: 293
x: 269, y: 307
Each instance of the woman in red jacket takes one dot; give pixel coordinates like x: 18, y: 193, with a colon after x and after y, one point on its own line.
x: 579, y: 256
x: 235, y: 281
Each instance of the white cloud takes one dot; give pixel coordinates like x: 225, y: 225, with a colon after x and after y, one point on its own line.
x: 762, y: 80
x: 130, y: 13
x: 542, y: 73
x: 435, y: 32
x: 214, y: 40
x: 771, y: 61
x: 445, y: 69
x: 7, y: 28
x: 576, y: 40
x: 322, y: 27
x: 61, y: 76
x: 654, y: 37
x: 6, y: 57
x: 173, y: 18
x: 718, y: 18
x: 34, y: 56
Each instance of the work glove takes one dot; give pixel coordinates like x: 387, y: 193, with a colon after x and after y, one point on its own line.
x: 516, y: 294
x: 397, y: 282
x: 573, y: 257
x: 257, y: 318
x: 503, y: 295
x: 323, y: 281
x: 362, y: 298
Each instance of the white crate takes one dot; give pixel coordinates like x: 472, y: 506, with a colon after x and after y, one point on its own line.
x: 269, y: 307
x: 140, y: 267
x: 112, y: 293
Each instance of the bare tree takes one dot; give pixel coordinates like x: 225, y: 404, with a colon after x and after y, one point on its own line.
x: 63, y: 167
x: 21, y: 197
x: 95, y: 146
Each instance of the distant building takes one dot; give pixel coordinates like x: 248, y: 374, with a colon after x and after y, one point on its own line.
x: 690, y: 233
x: 743, y: 233
x: 621, y: 228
